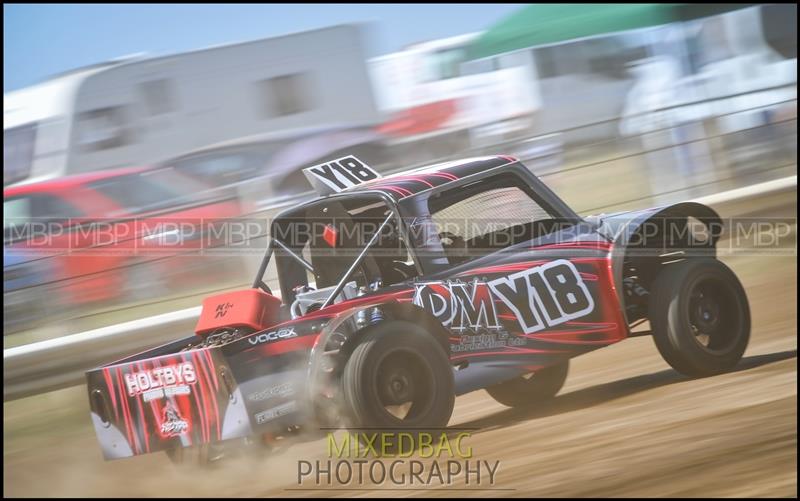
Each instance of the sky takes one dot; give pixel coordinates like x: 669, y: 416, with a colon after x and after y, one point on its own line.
x: 41, y: 40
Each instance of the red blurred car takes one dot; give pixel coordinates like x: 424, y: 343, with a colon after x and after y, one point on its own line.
x: 93, y: 232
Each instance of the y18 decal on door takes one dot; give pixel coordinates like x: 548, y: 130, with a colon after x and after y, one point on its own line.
x: 539, y: 297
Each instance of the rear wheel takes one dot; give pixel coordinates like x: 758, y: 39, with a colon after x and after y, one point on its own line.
x: 398, y: 379
x: 530, y: 389
x: 700, y: 316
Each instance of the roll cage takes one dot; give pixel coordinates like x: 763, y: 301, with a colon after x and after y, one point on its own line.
x: 406, y: 211
x: 276, y: 243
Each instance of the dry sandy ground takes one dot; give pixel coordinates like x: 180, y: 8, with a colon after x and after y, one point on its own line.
x: 625, y: 424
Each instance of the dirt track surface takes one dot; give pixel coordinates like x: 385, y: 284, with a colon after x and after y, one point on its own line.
x: 625, y: 424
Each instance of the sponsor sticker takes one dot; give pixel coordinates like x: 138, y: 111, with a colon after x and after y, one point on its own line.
x: 165, y: 392
x: 267, y: 337
x: 276, y: 412
x: 280, y: 391
x: 155, y: 382
x: 172, y: 423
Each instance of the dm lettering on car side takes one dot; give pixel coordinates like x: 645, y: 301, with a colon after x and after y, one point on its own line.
x: 539, y: 297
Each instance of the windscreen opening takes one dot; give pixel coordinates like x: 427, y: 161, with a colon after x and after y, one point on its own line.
x: 475, y: 220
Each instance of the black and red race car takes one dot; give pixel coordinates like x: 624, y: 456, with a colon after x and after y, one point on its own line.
x: 399, y: 293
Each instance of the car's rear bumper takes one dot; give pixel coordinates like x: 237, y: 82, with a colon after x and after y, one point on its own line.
x: 166, y: 398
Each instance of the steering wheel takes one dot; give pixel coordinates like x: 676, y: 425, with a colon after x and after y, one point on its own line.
x: 294, y: 309
x: 454, y: 246
x: 404, y: 269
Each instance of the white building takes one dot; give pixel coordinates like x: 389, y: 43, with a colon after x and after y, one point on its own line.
x: 142, y: 110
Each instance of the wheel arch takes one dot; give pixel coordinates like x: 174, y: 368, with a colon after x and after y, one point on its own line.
x: 346, y: 325
x: 645, y: 240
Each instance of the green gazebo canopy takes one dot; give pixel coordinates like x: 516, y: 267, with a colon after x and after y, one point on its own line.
x: 541, y: 24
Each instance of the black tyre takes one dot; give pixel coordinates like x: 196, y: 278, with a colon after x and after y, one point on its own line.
x: 530, y: 389
x: 398, y: 379
x: 699, y: 316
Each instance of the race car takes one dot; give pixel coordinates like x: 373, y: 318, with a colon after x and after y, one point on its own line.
x: 101, y: 238
x: 399, y: 293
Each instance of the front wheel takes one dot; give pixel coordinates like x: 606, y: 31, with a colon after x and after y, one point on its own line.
x: 398, y: 379
x: 530, y: 389
x: 699, y: 316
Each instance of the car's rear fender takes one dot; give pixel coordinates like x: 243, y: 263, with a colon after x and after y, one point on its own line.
x: 150, y: 403
x: 170, y: 397
x: 204, y: 395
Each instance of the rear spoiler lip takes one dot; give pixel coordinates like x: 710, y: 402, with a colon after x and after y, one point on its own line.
x: 169, y: 348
